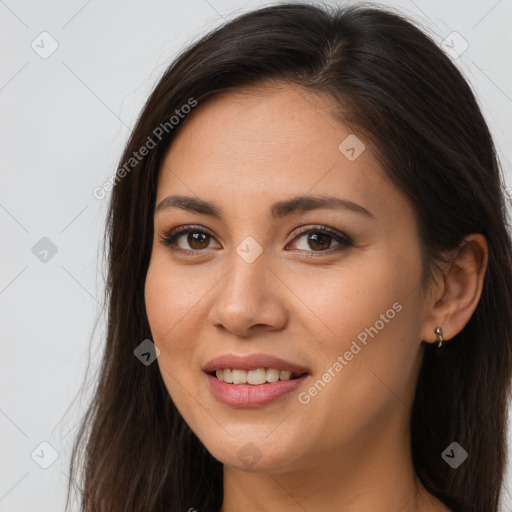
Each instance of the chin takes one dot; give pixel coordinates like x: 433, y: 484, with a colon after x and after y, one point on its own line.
x: 252, y: 451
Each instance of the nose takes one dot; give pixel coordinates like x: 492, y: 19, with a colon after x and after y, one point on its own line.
x: 249, y: 299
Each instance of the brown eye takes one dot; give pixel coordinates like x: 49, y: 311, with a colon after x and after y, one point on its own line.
x: 320, y: 240
x: 197, y: 240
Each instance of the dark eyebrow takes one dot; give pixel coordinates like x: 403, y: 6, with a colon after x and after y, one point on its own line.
x: 298, y: 204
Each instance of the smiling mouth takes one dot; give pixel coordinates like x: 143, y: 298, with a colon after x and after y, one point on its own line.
x: 256, y: 377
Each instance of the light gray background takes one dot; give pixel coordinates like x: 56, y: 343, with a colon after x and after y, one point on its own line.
x: 65, y: 119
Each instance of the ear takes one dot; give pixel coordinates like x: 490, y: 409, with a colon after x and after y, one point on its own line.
x: 454, y: 300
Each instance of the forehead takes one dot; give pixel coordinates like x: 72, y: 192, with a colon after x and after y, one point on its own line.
x: 262, y: 143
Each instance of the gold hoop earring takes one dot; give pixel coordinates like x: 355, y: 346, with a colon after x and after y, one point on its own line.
x: 439, y: 333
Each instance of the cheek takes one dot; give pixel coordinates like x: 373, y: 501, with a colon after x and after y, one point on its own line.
x: 172, y: 311
x: 373, y: 324
x: 338, y: 305
x: 171, y: 299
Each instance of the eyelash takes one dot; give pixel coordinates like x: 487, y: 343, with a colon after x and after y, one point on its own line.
x: 168, y: 239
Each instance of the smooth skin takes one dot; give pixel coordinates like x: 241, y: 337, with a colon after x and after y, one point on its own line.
x: 348, y: 448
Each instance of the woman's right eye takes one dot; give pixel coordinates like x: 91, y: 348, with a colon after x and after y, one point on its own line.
x: 198, y: 238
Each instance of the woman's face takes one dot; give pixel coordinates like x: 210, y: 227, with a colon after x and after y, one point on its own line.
x: 333, y: 290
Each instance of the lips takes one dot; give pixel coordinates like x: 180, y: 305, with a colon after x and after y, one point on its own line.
x: 253, y: 362
x: 246, y: 396
x: 249, y: 395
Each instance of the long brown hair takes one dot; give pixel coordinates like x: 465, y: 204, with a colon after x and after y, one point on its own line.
x: 134, y: 451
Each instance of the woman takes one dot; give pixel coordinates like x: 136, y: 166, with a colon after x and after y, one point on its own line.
x: 309, y: 280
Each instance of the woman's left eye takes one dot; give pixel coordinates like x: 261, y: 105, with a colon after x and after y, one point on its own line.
x: 317, y: 238
x: 321, y: 239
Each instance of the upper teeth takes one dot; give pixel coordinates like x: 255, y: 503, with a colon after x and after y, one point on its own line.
x: 259, y: 376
